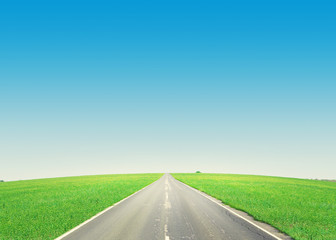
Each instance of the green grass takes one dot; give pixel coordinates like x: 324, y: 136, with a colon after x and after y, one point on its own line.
x: 304, y: 209
x: 46, y: 208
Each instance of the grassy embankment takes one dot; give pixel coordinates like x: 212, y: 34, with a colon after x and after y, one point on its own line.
x: 304, y: 209
x: 46, y: 208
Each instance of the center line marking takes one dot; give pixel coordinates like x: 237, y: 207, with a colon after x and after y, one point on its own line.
x: 166, y: 232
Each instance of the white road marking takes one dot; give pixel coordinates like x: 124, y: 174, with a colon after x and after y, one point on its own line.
x: 167, y: 206
x: 166, y: 232
x: 236, y: 214
x: 167, y: 203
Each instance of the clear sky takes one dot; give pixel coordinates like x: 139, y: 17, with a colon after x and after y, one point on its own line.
x: 92, y: 87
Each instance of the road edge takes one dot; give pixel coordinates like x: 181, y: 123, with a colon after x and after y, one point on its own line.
x: 238, y: 214
x: 102, y: 212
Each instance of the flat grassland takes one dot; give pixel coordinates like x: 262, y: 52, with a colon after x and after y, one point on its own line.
x: 46, y: 208
x: 302, y: 208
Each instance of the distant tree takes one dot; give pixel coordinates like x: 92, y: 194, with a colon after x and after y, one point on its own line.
x: 1, y: 180
x: 198, y: 171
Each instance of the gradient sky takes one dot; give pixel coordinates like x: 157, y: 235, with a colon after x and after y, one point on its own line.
x: 93, y: 87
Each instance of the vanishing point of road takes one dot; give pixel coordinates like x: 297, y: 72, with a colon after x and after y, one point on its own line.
x: 167, y: 210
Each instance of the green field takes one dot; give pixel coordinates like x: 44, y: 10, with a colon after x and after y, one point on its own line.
x: 304, y: 209
x: 46, y: 208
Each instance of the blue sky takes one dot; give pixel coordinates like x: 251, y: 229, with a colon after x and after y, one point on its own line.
x: 90, y: 87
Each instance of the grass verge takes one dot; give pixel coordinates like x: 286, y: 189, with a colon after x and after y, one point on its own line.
x: 304, y: 209
x: 46, y: 208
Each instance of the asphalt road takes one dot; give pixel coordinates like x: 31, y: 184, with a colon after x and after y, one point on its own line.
x: 167, y: 210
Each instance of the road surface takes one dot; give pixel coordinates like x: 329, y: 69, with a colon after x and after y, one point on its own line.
x: 167, y: 210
